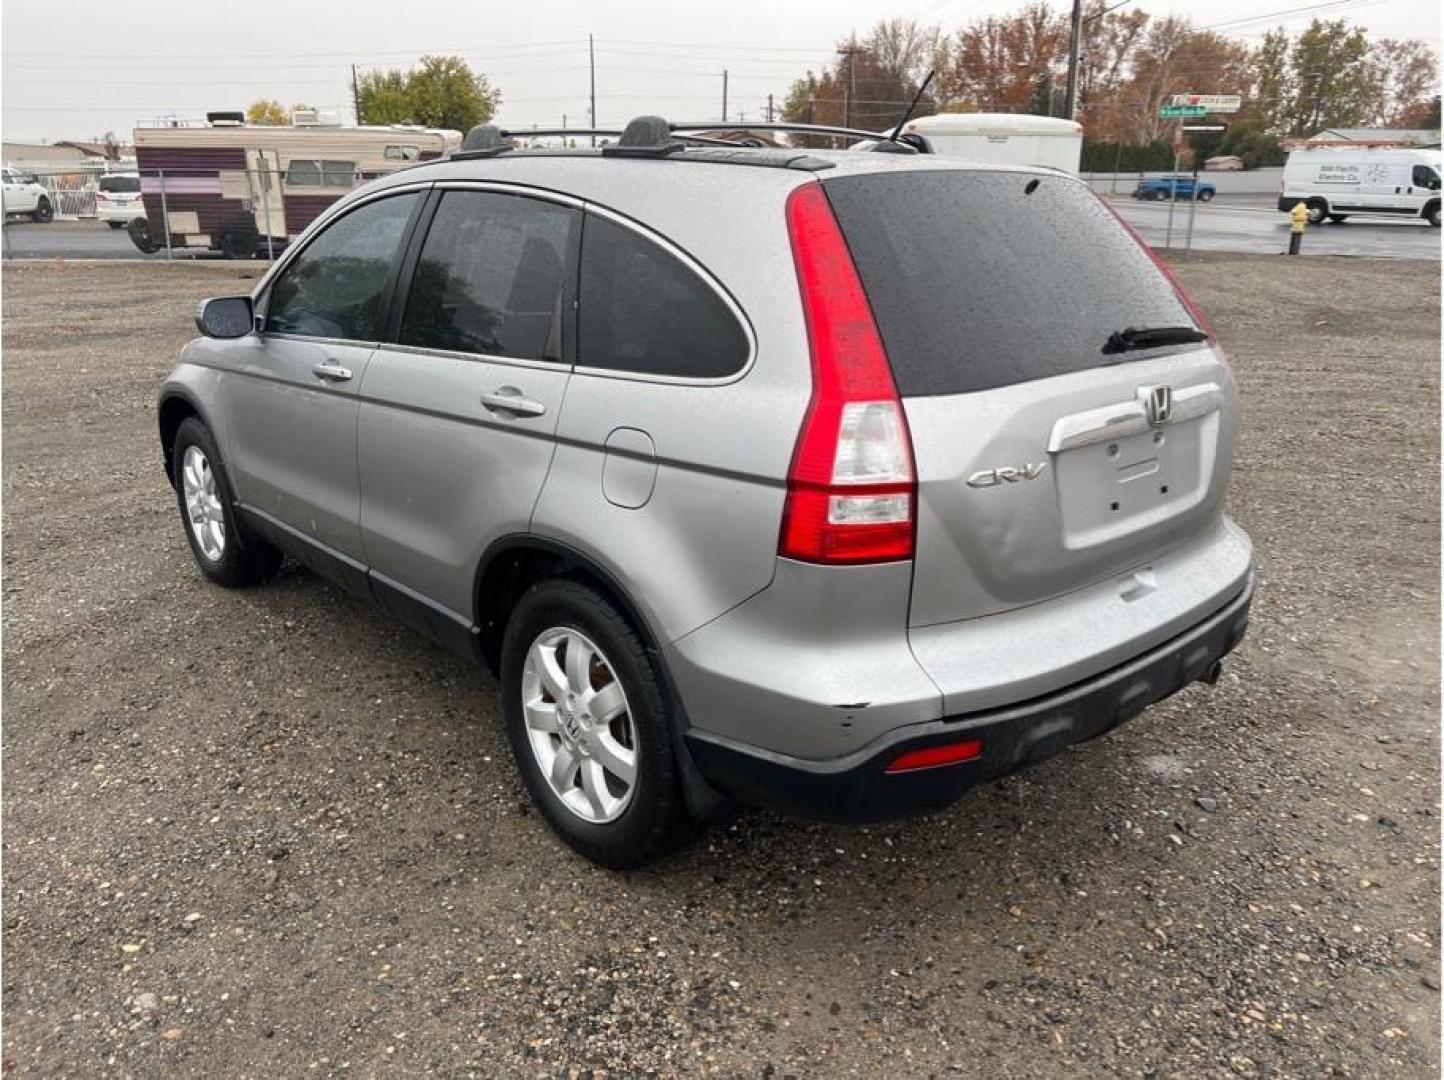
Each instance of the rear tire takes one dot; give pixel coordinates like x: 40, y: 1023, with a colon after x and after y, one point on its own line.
x: 239, y: 244
x: 44, y: 212
x: 1338, y: 219
x: 576, y: 765
x: 116, y: 224
x: 225, y: 552
x: 139, y: 230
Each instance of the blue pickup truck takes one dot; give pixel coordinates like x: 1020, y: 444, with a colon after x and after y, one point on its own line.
x: 1178, y: 186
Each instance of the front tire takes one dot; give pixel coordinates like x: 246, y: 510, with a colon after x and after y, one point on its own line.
x: 44, y: 212
x: 225, y: 552
x: 1431, y: 214
x: 1206, y: 195
x: 116, y: 224
x: 1318, y: 210
x: 590, y: 725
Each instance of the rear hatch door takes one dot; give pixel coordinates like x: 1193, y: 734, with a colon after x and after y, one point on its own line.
x: 1047, y: 458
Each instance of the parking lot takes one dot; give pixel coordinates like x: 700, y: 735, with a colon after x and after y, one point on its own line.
x: 269, y: 833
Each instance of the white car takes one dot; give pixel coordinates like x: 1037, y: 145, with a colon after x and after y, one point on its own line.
x: 117, y: 199
x: 1338, y: 182
x: 25, y: 195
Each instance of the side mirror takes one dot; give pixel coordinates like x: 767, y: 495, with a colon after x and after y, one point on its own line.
x: 226, y: 317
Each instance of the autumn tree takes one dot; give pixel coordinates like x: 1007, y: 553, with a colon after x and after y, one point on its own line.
x: 859, y: 91
x: 1405, y: 78
x: 267, y: 111
x: 998, y: 63
x: 1109, y: 41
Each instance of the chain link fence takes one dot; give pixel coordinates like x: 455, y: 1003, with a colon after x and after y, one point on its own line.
x: 70, y: 189
x: 238, y: 213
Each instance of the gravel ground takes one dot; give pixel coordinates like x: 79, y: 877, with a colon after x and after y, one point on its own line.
x: 267, y: 833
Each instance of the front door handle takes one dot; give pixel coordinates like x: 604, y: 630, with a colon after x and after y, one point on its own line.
x: 510, y: 399
x: 331, y: 372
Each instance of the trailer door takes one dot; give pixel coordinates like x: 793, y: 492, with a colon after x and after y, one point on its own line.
x: 263, y: 174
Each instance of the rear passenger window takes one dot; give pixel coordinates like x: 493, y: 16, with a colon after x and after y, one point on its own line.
x: 492, y: 278
x: 336, y: 287
x: 643, y: 310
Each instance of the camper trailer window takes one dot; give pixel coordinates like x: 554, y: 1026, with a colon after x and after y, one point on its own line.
x: 336, y: 287
x: 310, y: 173
x: 403, y: 153
x: 492, y: 277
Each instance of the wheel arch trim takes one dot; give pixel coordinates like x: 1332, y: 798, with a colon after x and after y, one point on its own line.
x: 704, y: 801
x: 169, y: 395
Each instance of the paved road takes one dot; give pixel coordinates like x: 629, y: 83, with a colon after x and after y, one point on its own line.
x: 1255, y: 225
x: 1246, y: 222
x: 71, y: 240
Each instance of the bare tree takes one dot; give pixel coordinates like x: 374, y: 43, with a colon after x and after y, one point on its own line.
x: 903, y: 48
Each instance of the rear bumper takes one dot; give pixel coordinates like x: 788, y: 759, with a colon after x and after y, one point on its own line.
x: 119, y: 213
x: 858, y: 788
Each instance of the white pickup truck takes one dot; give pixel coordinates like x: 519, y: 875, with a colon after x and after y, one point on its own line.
x: 25, y: 195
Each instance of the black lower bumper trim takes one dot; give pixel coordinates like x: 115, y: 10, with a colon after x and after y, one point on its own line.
x: 857, y: 788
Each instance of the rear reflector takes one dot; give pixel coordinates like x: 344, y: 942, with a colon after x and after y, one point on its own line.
x: 930, y: 757
x: 850, y: 489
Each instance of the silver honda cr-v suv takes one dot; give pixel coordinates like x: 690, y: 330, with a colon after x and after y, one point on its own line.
x: 837, y: 482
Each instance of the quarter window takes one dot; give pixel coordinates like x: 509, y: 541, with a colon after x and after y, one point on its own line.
x: 304, y: 172
x: 336, y: 287
x: 643, y: 310
x: 492, y: 278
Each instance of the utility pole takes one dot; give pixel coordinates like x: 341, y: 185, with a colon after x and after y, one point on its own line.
x: 355, y: 95
x: 769, y: 108
x: 724, y: 95
x: 592, y: 64
x: 1075, y: 46
x: 849, y: 88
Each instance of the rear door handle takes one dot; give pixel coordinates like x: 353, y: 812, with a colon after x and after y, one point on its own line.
x: 331, y: 372
x: 510, y: 399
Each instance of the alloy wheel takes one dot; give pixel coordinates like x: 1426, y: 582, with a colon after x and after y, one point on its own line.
x: 204, y: 514
x: 579, y: 725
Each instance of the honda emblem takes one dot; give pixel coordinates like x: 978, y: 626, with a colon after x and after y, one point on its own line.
x: 1157, y: 404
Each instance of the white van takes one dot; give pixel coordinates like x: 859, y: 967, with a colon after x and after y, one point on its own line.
x: 1005, y: 138
x: 1338, y: 182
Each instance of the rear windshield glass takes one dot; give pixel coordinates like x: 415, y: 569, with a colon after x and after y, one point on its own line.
x: 982, y: 279
x: 120, y: 183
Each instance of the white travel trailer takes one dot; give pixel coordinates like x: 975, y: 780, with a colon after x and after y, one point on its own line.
x: 1339, y: 181
x: 245, y: 189
x: 1006, y: 138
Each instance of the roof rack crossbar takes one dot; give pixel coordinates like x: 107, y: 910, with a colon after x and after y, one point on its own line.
x: 806, y: 129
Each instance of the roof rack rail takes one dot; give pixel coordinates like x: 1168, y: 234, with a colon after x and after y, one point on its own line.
x: 487, y: 140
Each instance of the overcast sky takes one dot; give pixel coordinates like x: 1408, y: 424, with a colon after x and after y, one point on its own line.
x: 77, y: 69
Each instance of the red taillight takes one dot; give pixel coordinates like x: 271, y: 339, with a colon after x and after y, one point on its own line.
x: 850, y: 491
x: 1193, y: 309
x: 931, y: 757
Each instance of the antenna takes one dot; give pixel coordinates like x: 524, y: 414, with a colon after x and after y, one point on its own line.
x: 907, y: 115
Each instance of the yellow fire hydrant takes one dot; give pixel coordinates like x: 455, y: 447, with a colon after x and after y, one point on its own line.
x: 1300, y: 214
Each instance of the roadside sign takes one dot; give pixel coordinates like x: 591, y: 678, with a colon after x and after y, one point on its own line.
x: 1176, y: 111
x: 1210, y: 102
x: 1205, y: 127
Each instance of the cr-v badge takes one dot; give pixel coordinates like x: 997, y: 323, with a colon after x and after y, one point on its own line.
x: 1006, y: 475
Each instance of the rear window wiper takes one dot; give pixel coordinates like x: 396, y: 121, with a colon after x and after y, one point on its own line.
x: 1151, y: 337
